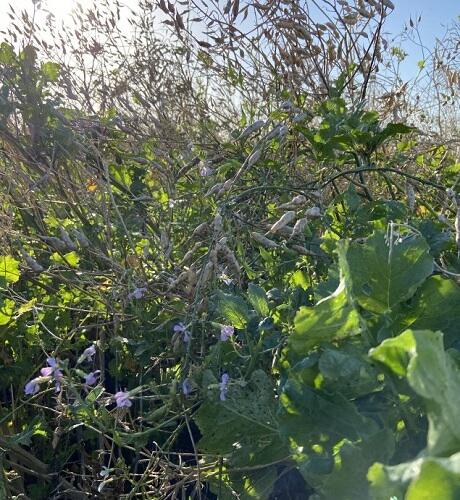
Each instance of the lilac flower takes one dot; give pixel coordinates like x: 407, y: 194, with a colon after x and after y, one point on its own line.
x: 92, y: 377
x: 137, y: 293
x: 32, y: 387
x: 122, y: 399
x: 223, y: 386
x: 226, y: 332
x: 88, y: 354
x: 180, y: 328
x: 186, y: 387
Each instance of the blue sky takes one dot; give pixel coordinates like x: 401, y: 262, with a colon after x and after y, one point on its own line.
x: 436, y: 16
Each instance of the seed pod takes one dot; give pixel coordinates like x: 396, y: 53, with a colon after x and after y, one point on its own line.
x: 254, y: 158
x: 180, y: 279
x: 213, y: 257
x: 66, y: 239
x: 262, y: 240
x: 81, y: 238
x: 457, y: 226
x: 410, y: 193
x: 214, y: 189
x: 201, y: 230
x: 188, y: 256
x: 302, y: 250
x: 251, y: 129
x: 225, y: 187
x: 299, y: 227
x: 282, y: 221
x: 388, y: 4
x: 56, y: 243
x: 273, y: 133
x: 217, y: 225
x: 207, y: 274
x: 313, y: 213
x: 31, y: 262
x: 294, y: 203
x: 229, y: 256
x: 192, y: 279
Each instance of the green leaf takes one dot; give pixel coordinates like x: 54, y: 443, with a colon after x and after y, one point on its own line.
x: 348, y: 480
x: 244, y: 427
x: 435, y: 306
x: 9, y: 270
x: 331, y: 318
x: 234, y: 309
x: 51, y: 71
x: 310, y: 415
x: 435, y: 376
x: 6, y: 311
x: 258, y: 298
x: 380, y: 277
x: 257, y: 484
x: 417, y: 480
x: 71, y: 258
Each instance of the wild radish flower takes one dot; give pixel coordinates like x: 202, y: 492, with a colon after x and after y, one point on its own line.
x: 92, y: 377
x: 180, y: 328
x: 226, y: 332
x: 137, y: 293
x: 32, y: 387
x: 88, y: 354
x: 223, y: 386
x: 122, y: 399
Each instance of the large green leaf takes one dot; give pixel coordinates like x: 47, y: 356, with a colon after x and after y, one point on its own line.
x: 9, y: 270
x: 347, y: 480
x: 233, y: 308
x: 309, y: 415
x: 331, y: 318
x: 435, y: 306
x: 258, y: 299
x: 379, y: 276
x: 426, y: 478
x: 435, y: 376
x: 244, y: 427
x: 244, y: 430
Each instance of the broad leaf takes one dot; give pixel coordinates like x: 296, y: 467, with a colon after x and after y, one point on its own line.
x: 258, y: 299
x: 422, y: 479
x: 436, y: 306
x: 434, y: 376
x: 331, y: 318
x: 9, y: 270
x: 379, y: 276
x: 234, y: 309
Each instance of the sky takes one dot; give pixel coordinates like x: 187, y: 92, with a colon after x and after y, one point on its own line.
x: 436, y: 14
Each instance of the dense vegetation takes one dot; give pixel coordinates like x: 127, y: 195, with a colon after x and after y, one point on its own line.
x: 201, y: 298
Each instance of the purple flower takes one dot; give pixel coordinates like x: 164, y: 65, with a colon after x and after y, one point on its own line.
x: 186, y: 387
x: 32, y: 387
x: 180, y: 328
x: 52, y: 370
x: 206, y: 171
x: 88, y: 353
x: 226, y: 332
x: 92, y: 377
x: 137, y: 293
x: 122, y: 399
x: 223, y: 386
